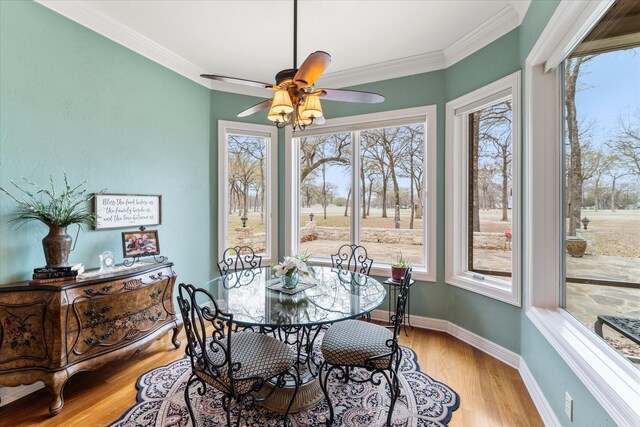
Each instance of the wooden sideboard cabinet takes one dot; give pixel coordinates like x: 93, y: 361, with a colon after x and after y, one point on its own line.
x: 50, y: 332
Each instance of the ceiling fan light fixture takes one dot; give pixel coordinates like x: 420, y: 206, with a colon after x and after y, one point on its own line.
x: 277, y: 117
x: 295, y: 102
x: 302, y: 121
x: 312, y: 108
x: 281, y: 103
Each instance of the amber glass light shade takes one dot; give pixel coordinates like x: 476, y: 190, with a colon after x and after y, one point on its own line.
x: 281, y: 103
x: 312, y: 108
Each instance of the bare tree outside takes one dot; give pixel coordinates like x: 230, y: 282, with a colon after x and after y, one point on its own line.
x: 490, y: 189
x: 246, y: 157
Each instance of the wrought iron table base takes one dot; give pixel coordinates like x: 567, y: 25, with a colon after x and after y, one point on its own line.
x: 302, y: 338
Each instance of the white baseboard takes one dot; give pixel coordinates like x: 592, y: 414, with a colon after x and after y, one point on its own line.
x: 11, y: 394
x: 546, y: 413
x: 492, y: 349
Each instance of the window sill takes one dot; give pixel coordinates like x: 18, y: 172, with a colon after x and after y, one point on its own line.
x: 490, y: 287
x: 606, y: 374
x: 384, y: 271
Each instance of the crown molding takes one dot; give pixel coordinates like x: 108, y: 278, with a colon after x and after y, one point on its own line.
x: 90, y: 17
x: 385, y: 70
x: 497, y: 26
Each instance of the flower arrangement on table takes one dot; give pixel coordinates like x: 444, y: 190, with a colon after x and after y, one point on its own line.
x: 288, y: 270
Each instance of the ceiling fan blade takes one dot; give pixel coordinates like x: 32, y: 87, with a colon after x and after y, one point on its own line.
x: 312, y: 68
x: 236, y: 81
x: 349, y: 96
x: 260, y: 106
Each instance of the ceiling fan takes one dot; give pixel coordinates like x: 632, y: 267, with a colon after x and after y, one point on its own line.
x: 295, y: 101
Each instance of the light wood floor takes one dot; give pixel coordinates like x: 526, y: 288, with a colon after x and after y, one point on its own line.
x: 492, y: 393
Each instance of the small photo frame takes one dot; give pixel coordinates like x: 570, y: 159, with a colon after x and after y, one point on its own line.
x: 140, y: 243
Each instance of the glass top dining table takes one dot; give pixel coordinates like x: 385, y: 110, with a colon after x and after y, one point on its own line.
x: 326, y: 295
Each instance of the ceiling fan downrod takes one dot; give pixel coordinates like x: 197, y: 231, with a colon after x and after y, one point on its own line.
x: 295, y: 33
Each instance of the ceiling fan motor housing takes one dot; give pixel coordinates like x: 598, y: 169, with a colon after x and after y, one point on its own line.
x: 285, y: 75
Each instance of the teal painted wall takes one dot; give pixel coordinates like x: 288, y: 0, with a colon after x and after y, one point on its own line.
x: 72, y: 100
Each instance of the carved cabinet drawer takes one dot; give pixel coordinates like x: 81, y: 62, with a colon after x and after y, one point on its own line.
x: 110, y: 315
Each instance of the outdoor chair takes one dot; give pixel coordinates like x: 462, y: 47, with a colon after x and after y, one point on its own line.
x: 238, y: 364
x: 352, y: 344
x: 238, y: 258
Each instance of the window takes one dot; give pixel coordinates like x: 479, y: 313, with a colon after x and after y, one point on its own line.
x: 366, y: 180
x: 483, y: 197
x: 601, y: 171
x: 247, y: 180
x: 606, y: 373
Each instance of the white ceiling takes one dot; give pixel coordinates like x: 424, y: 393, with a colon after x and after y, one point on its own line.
x: 253, y: 39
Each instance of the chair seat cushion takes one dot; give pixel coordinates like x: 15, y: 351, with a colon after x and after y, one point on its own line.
x: 353, y: 342
x: 258, y: 355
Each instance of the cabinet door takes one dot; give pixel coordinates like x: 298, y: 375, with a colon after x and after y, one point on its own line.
x: 22, y: 332
x: 113, y: 314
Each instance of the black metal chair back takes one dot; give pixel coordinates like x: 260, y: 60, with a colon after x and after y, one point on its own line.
x: 238, y: 258
x: 240, y: 278
x: 352, y: 257
x: 208, y: 331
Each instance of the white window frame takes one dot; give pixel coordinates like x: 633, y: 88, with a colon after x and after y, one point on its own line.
x: 611, y: 379
x: 367, y: 121
x: 457, y: 272
x: 226, y: 127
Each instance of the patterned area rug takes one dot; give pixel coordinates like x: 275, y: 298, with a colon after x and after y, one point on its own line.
x: 423, y: 402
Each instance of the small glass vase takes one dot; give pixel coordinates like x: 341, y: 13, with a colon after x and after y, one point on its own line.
x: 289, y: 280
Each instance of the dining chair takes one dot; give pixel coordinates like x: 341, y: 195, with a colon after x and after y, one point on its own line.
x: 352, y: 257
x: 238, y: 364
x: 238, y: 258
x: 354, y: 344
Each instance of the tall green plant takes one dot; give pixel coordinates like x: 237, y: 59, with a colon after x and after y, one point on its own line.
x: 51, y: 207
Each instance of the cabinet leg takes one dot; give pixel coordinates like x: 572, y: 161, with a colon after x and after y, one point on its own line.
x: 54, y: 386
x: 174, y: 338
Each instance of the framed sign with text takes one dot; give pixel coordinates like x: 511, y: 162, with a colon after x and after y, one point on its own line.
x: 127, y: 210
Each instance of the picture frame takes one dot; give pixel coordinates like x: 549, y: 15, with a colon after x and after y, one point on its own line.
x: 136, y: 244
x: 126, y: 210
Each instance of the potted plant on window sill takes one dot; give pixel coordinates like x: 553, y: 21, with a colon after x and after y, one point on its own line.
x: 399, y: 268
x: 57, y: 210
